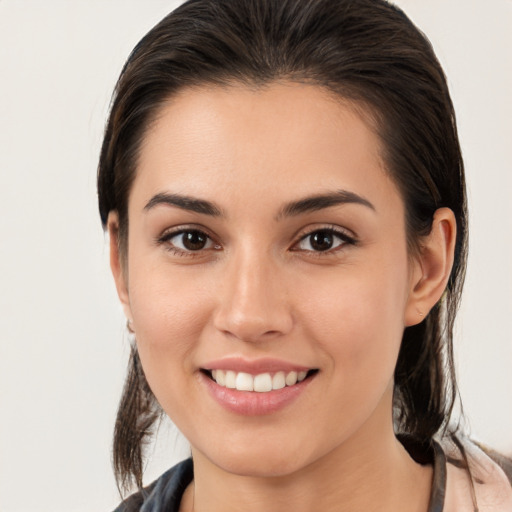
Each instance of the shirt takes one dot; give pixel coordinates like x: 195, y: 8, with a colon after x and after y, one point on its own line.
x: 483, y: 484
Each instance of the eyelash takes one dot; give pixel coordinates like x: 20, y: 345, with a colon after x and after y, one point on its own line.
x: 168, y: 236
x: 335, y: 232
x: 343, y: 236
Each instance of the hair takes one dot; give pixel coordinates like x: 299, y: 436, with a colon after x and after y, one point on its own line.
x: 365, y: 51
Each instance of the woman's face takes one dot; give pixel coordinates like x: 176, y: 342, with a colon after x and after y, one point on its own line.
x: 267, y: 242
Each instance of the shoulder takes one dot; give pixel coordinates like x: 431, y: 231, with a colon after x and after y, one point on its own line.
x: 504, y: 462
x: 477, y: 474
x: 163, y: 494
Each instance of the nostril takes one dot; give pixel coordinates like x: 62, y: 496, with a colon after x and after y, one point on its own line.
x: 251, y: 330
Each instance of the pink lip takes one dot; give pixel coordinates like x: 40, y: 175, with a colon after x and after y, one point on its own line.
x: 252, y: 403
x: 254, y: 367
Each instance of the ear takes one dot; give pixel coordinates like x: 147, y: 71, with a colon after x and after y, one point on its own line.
x: 431, y: 267
x: 117, y: 265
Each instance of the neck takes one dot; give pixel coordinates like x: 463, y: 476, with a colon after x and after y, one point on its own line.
x: 369, y: 472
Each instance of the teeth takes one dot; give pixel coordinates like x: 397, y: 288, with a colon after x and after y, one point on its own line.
x: 291, y: 378
x: 244, y: 382
x: 279, y: 380
x: 230, y: 381
x: 220, y: 377
x: 261, y: 383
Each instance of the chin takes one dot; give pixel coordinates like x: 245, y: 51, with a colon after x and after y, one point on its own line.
x: 260, y: 460
x: 260, y: 466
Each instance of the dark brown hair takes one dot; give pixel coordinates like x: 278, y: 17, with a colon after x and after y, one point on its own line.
x: 366, y: 51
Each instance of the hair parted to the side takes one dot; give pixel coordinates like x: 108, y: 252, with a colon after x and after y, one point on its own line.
x: 366, y: 51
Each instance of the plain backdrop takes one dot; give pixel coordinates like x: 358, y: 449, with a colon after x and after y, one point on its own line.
x: 62, y: 345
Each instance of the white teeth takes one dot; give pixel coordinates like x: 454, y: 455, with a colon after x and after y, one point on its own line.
x: 220, y: 377
x: 244, y: 382
x: 291, y: 378
x: 230, y: 381
x: 278, y: 380
x: 261, y: 383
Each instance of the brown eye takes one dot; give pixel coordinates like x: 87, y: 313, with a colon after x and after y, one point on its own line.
x: 323, y: 240
x: 194, y: 240
x: 188, y: 240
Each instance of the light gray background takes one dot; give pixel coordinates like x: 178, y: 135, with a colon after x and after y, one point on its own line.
x: 62, y: 347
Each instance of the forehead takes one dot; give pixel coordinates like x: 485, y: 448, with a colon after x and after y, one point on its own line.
x: 293, y: 136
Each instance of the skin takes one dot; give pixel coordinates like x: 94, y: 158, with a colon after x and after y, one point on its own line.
x: 259, y: 289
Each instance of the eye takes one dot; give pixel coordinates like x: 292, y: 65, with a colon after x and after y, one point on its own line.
x: 323, y: 240
x: 188, y: 240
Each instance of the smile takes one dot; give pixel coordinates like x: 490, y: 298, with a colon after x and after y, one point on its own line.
x: 255, y: 395
x: 258, y: 387
x: 261, y: 383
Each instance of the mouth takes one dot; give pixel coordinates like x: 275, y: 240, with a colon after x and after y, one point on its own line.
x: 260, y: 383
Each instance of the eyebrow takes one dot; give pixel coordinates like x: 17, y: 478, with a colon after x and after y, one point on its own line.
x: 307, y: 204
x: 185, y: 203
x: 321, y: 201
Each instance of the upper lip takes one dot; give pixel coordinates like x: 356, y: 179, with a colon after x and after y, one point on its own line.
x: 255, y: 366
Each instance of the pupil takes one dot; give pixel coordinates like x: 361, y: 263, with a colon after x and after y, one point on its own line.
x: 194, y: 240
x: 321, y: 241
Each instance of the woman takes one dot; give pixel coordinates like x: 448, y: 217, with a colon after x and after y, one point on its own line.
x: 284, y: 192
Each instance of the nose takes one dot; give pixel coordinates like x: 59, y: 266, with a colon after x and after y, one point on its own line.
x: 252, y: 304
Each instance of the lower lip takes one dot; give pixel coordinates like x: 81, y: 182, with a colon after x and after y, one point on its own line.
x: 252, y: 403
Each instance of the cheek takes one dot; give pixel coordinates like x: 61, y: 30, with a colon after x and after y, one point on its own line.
x: 169, y: 312
x: 358, y: 317
x: 169, y: 318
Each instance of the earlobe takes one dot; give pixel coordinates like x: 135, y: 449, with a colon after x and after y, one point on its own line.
x: 117, y: 265
x: 432, y: 267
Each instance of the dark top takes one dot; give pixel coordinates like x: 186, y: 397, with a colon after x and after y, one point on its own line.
x: 164, y: 495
